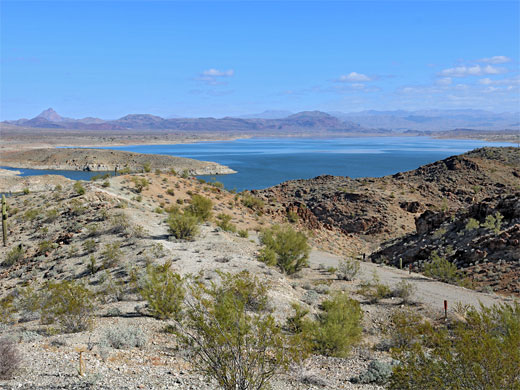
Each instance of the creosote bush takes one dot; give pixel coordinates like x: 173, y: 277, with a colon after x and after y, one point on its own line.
x: 200, y: 207
x: 112, y: 254
x: 68, y: 303
x: 441, y: 269
x: 481, y: 352
x: 78, y: 187
x: 252, y: 202
x: 232, y: 336
x: 183, y: 226
x: 224, y: 222
x: 290, y: 248
x: 337, y: 328
x: 140, y: 183
x: 374, y: 290
x: 15, y: 255
x: 347, y: 269
x: 164, y: 291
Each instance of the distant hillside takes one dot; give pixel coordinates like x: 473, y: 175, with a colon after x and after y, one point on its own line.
x: 433, y: 120
x: 308, y: 120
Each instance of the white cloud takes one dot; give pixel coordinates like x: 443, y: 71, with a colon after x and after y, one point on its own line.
x: 444, y: 81
x: 495, y: 60
x: 354, y: 77
x: 477, y: 70
x: 214, y: 76
x: 218, y: 73
x: 488, y: 81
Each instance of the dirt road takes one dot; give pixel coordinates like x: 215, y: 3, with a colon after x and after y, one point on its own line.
x: 429, y: 291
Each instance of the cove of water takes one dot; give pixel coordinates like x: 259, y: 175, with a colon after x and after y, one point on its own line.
x: 262, y: 163
x: 265, y: 162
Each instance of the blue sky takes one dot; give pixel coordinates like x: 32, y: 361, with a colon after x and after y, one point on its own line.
x: 108, y: 59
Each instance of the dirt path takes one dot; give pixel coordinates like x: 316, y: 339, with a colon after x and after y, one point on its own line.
x: 429, y: 292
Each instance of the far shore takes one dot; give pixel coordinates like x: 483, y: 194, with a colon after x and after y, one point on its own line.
x: 18, y: 138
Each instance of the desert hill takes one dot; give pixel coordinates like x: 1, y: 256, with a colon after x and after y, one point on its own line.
x: 377, y: 209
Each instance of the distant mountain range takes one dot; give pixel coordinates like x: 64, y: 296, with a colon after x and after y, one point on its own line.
x: 307, y: 120
x: 433, y: 120
x: 278, y: 121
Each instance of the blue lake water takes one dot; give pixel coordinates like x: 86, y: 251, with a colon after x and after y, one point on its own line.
x: 263, y: 163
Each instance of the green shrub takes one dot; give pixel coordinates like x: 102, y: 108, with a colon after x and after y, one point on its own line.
x: 51, y: 215
x: 493, y: 223
x: 170, y: 191
x: 45, y: 246
x: 77, y: 208
x: 185, y: 174
x: 105, y: 184
x: 89, y: 245
x: 347, y: 269
x: 119, y: 223
x: 481, y: 352
x: 378, y: 372
x: 112, y: 254
x: 472, y: 224
x: 252, y: 202
x: 78, y: 187
x: 7, y: 309
x: 224, y: 222
x: 374, y: 290
x: 337, y: 328
x: 68, y: 303
x: 15, y: 255
x: 147, y: 167
x: 230, y: 344
x: 140, y: 183
x: 243, y: 233
x: 164, y: 291
x: 200, y: 207
x: 405, y: 328
x: 31, y: 214
x: 404, y: 290
x: 441, y: 269
x: 292, y: 217
x: 183, y: 226
x: 290, y: 247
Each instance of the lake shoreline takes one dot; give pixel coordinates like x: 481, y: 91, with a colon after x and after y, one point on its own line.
x: 264, y: 162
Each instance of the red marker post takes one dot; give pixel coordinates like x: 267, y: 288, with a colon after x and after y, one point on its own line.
x: 409, y: 268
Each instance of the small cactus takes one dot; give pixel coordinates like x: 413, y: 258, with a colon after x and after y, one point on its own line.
x: 4, y: 219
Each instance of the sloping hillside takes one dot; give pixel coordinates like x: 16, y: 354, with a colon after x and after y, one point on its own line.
x: 378, y: 209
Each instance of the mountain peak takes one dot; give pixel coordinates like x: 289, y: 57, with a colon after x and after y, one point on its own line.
x: 50, y: 115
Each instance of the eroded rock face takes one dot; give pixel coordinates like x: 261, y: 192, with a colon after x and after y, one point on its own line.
x: 388, y: 207
x: 489, y: 254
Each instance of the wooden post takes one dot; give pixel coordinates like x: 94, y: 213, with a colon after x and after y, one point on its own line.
x: 4, y: 219
x: 81, y: 370
x: 400, y: 263
x: 445, y: 309
x: 410, y: 268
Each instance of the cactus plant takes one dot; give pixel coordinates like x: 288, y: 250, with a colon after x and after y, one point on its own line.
x: 4, y: 219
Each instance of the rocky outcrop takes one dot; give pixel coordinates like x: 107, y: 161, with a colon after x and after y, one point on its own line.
x: 388, y: 207
x: 83, y: 159
x: 487, y: 249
